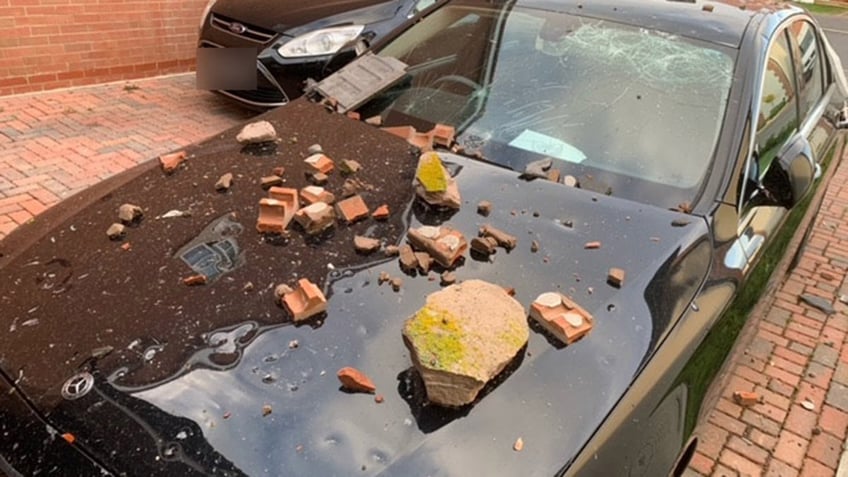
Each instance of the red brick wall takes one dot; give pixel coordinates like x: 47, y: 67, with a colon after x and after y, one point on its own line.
x: 47, y: 44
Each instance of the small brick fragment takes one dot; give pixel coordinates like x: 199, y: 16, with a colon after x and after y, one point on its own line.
x: 746, y: 398
x: 379, y: 399
x: 444, y: 244
x: 318, y: 178
x: 126, y: 246
x: 443, y: 135
x: 383, y: 278
x: 534, y: 246
x: 315, y: 218
x: 504, y: 239
x: 518, y: 446
x: 484, y: 208
x: 320, y: 163
x: 305, y: 301
x: 592, y: 245
x: 391, y: 250
x: 561, y: 317
x: 484, y: 245
x: 408, y: 260
x: 273, y: 217
x: 448, y: 278
x: 224, y: 182
x: 267, y: 410
x: 313, y: 194
x: 257, y: 133
x: 349, y: 166
x: 707, y: 8
x: 425, y: 261
x: 352, y: 209
x: 69, y: 438
x: 365, y: 244
x: 314, y: 149
x: 397, y: 283
x: 353, y: 115
x: 355, y: 380
x: 381, y: 212
x: 278, y: 171
x: 170, y: 162
x: 553, y: 175
x: 116, y: 231
x: 270, y: 181
x: 615, y: 277
x: 195, y: 280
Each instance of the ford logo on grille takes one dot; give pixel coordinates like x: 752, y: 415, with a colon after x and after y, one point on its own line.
x: 237, y: 28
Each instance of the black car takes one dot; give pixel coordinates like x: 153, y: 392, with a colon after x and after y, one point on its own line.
x: 294, y: 40
x: 648, y: 158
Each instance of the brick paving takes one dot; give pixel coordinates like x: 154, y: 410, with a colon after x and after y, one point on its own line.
x: 793, y: 355
x: 56, y: 143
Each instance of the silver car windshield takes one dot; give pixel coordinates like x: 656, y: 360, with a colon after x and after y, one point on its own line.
x: 627, y: 107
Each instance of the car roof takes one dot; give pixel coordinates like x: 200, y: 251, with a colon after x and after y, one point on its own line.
x: 721, y: 22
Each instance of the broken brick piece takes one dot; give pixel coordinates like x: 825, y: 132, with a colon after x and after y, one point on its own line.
x: 224, y: 182
x: 503, y: 239
x: 170, y: 162
x: 305, y: 301
x: 396, y: 283
x: 615, y: 277
x: 592, y: 245
x: 313, y: 194
x: 425, y: 261
x: 746, y: 398
x: 257, y: 132
x: 365, y: 244
x: 355, y: 380
x: 349, y: 166
x: 518, y: 446
x: 278, y: 171
x: 444, y: 243
x: 484, y: 208
x: 270, y: 181
x: 194, y: 280
x: 448, y: 278
x: 315, y: 218
x: 318, y: 178
x: 320, y: 163
x: 274, y: 216
x: 553, y: 175
x: 353, y: 115
x: 484, y: 245
x: 352, y: 209
x: 391, y: 250
x: 561, y: 317
x: 379, y: 399
x: 116, y: 231
x: 69, y: 438
x: 408, y: 260
x: 126, y: 246
x: 381, y: 212
x: 443, y: 135
x: 130, y: 213
x: 374, y: 121
x: 383, y: 277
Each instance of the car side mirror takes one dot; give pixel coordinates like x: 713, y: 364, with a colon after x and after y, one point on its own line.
x: 791, y: 173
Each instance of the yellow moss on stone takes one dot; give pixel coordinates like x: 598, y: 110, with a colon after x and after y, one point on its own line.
x: 431, y: 173
x: 437, y: 337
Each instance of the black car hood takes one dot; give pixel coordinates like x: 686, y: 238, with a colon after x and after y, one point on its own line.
x: 284, y: 15
x: 191, y: 368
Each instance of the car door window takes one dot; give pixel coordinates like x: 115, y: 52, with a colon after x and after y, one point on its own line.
x: 778, y: 117
x: 809, y: 65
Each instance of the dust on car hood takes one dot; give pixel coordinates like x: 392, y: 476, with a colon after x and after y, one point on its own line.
x: 207, y: 380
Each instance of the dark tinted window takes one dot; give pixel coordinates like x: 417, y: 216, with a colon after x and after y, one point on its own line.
x: 778, y: 117
x: 808, y: 64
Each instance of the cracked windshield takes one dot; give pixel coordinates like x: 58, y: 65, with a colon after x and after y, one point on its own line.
x: 626, y: 111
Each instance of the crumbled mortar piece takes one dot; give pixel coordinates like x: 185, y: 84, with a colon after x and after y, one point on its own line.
x: 257, y: 133
x: 270, y: 181
x: 397, y: 283
x: 484, y: 208
x: 314, y: 149
x: 425, y: 261
x: 518, y: 446
x: 313, y: 194
x: 315, y: 218
x: 320, y: 163
x: 445, y: 244
x: 484, y: 245
x: 273, y: 217
x: 267, y: 410
x: 592, y: 245
x: 534, y: 246
x: 381, y: 212
x: 408, y: 260
x: 355, y: 380
x: 349, y: 166
x: 170, y: 162
x: 464, y: 336
x: 224, y: 182
x: 391, y: 251
x: 365, y: 244
x: 305, y: 301
x: 561, y: 317
x: 383, y: 278
x: 448, y: 278
x: 503, y: 239
x: 374, y: 121
x: 537, y: 169
x: 433, y: 183
x: 746, y: 398
x: 195, y: 280
x: 352, y: 209
x: 615, y: 277
x: 116, y: 231
x: 130, y: 213
x: 570, y: 181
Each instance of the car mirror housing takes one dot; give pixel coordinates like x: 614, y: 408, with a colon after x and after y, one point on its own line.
x: 791, y: 174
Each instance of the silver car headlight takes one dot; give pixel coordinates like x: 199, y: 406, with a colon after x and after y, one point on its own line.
x: 320, y: 42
